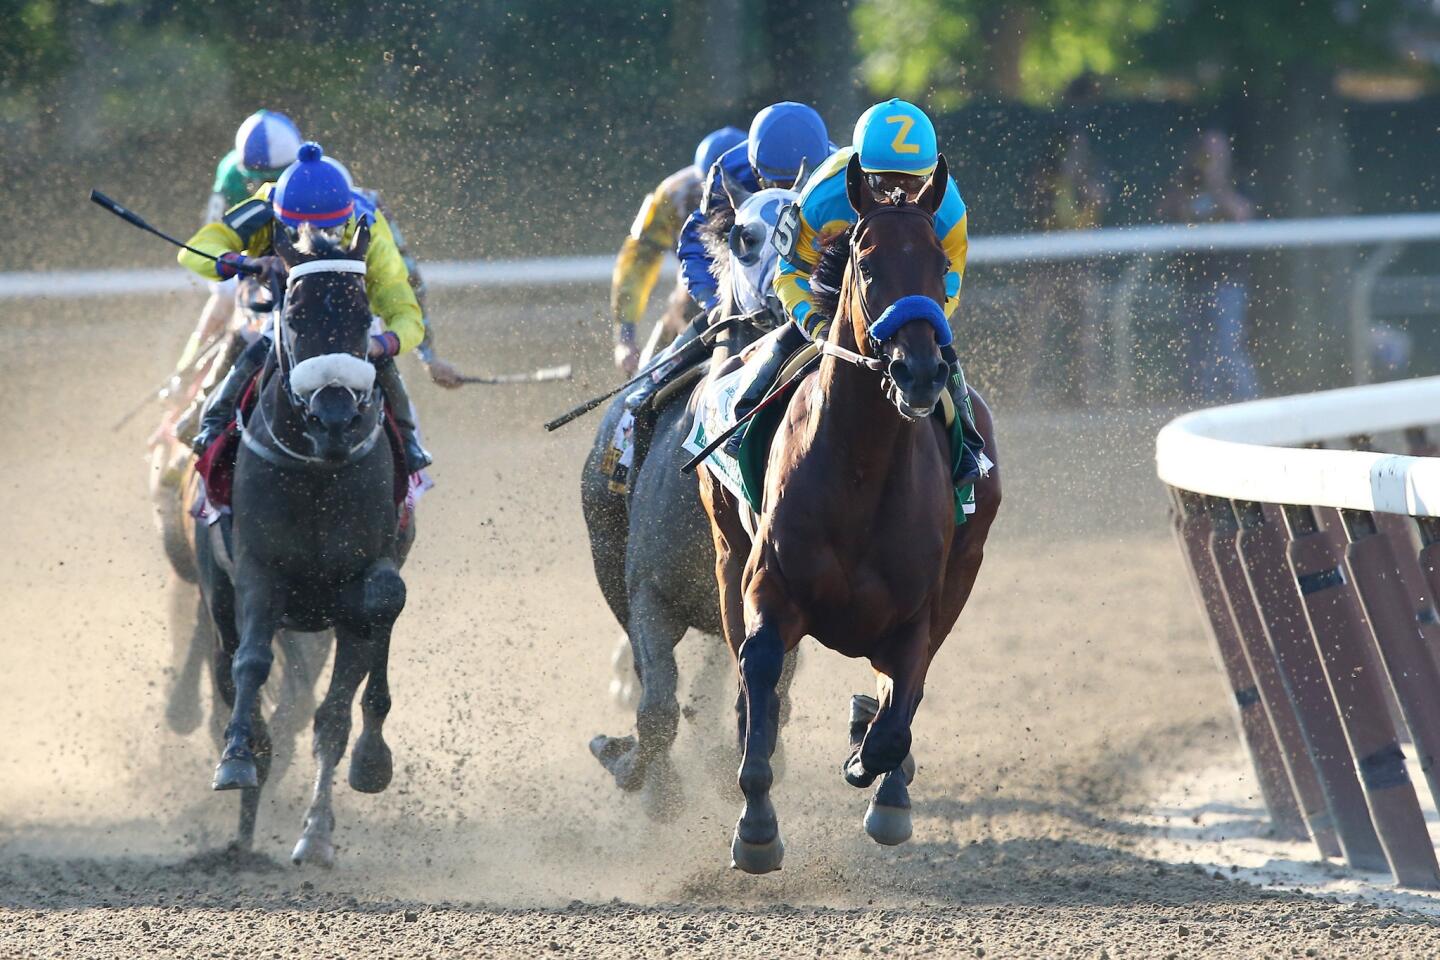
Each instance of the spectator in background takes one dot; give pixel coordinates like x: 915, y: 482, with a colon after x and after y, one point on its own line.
x: 1215, y: 286
x: 1059, y: 331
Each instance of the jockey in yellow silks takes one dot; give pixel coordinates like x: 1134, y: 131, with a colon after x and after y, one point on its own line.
x: 316, y: 192
x: 654, y: 233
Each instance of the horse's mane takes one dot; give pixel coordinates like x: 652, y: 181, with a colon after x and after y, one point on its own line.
x: 825, y: 279
x: 715, y: 235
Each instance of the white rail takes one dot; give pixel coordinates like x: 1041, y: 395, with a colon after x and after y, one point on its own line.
x: 1063, y: 245
x: 1249, y: 451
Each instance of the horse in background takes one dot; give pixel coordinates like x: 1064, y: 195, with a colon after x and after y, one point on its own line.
x: 650, y: 543
x: 856, y: 542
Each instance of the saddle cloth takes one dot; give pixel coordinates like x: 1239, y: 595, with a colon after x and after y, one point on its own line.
x: 744, y: 475
x: 216, y: 467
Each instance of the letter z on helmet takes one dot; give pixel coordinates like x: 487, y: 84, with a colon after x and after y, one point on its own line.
x: 314, y: 190
x: 266, y: 143
x: 896, y: 137
x: 781, y: 137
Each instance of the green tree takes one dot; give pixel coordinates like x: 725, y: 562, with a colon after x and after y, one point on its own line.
x: 946, y: 51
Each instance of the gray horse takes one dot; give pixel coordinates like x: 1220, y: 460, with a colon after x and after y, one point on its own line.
x: 315, y: 541
x: 651, y: 546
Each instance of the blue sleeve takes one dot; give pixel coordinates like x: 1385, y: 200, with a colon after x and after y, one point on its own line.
x: 694, y: 259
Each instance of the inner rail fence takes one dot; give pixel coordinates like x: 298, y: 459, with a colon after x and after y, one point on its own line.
x: 1114, y: 301
x: 1316, y: 560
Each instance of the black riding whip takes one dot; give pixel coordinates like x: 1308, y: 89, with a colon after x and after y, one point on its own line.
x: 710, y: 333
x: 134, y: 220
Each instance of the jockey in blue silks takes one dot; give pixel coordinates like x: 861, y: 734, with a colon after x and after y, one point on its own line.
x: 785, y: 139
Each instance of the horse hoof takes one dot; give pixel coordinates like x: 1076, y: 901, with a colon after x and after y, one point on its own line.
x: 235, y: 774
x: 888, y: 825
x: 617, y: 755
x: 315, y: 851
x: 756, y: 858
x: 370, y: 765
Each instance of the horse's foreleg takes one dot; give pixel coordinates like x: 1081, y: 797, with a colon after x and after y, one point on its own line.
x: 772, y: 629
x: 332, y: 732
x: 258, y: 608
x: 371, y: 766
x: 900, y: 667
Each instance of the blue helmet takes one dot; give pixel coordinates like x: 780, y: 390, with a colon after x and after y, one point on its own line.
x: 314, y: 190
x: 715, y: 143
x: 266, y: 144
x: 782, y: 136
x: 896, y: 137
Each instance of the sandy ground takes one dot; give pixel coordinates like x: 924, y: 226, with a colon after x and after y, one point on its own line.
x: 1078, y: 680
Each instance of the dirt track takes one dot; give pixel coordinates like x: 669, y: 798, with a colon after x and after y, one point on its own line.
x: 1077, y: 676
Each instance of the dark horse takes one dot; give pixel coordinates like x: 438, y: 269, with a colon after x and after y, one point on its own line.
x: 315, y: 541
x: 856, y: 542
x: 651, y: 545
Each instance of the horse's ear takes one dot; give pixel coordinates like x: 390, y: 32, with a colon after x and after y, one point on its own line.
x: 857, y: 189
x: 734, y: 189
x: 284, y: 246
x: 933, y: 193
x: 360, y: 243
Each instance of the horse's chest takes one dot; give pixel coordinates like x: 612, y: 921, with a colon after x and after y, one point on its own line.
x: 306, y: 535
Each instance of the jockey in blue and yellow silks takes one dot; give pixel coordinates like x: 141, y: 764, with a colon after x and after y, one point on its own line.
x: 897, y: 148
x: 896, y: 144
x: 315, y: 192
x: 656, y: 232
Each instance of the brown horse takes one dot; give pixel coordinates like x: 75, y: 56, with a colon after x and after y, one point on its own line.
x: 856, y: 541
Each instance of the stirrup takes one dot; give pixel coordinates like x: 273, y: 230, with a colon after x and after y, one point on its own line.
x: 205, y: 438
x: 731, y: 446
x: 417, y: 458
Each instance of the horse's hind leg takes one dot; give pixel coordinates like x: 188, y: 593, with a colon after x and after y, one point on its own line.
x: 644, y: 760
x: 332, y: 732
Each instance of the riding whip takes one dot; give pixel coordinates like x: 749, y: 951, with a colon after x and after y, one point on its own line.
x: 161, y: 391
x: 543, y: 375
x: 134, y: 220
x: 693, y: 346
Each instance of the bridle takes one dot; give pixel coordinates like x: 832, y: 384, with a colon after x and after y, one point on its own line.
x: 277, y: 451
x: 872, y: 361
